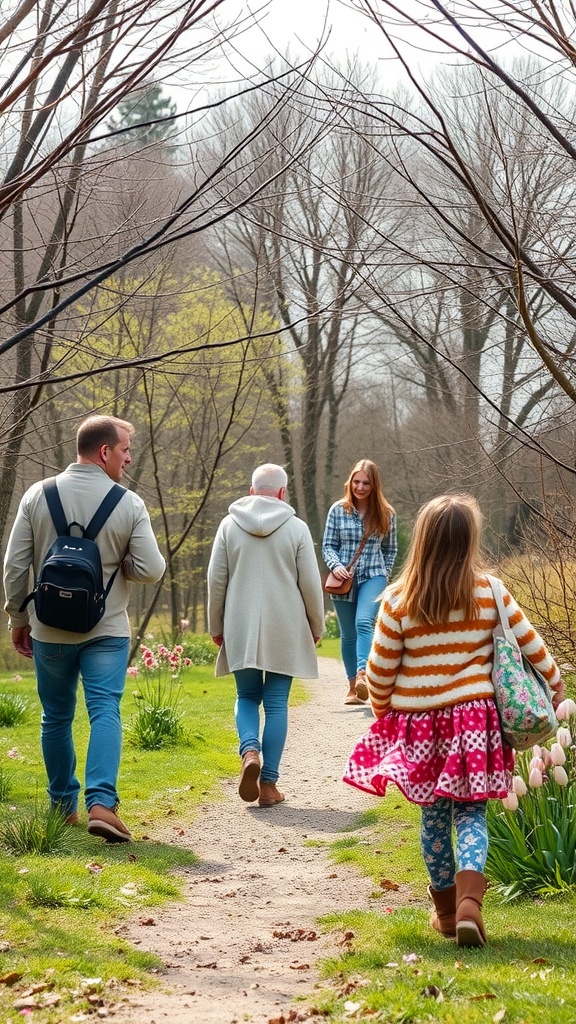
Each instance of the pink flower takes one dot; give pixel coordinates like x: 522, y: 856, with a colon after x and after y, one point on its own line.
x: 538, y: 763
x: 565, y: 709
x: 510, y: 802
x: 16, y: 679
x: 178, y: 649
x: 13, y: 752
x: 132, y: 670
x: 187, y: 662
x: 557, y: 754
x: 560, y: 775
x: 564, y: 737
x: 536, y: 751
x: 547, y: 757
x: 519, y: 786
x: 535, y: 779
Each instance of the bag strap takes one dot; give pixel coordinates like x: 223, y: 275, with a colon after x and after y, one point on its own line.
x: 115, y: 494
x: 358, y: 552
x: 503, y: 627
x: 55, y: 506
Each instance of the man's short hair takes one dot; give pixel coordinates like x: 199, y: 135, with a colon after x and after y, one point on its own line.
x: 269, y: 479
x: 99, y: 430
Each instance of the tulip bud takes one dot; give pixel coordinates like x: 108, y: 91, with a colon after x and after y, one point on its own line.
x: 560, y: 775
x: 546, y: 758
x: 536, y: 751
x: 519, y: 786
x: 557, y: 754
x: 510, y: 802
x: 537, y: 762
x: 565, y: 709
x: 564, y: 737
x: 535, y: 779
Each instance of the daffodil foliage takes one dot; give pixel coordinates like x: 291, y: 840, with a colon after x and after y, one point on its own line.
x: 532, y: 849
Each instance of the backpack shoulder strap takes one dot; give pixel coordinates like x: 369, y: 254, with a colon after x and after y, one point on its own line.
x: 55, y: 506
x: 115, y: 494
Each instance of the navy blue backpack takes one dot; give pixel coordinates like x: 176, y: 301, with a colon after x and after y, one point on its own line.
x: 69, y: 592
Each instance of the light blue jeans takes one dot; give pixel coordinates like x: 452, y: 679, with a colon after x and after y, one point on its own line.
x: 255, y: 687
x: 102, y: 663
x: 356, y: 621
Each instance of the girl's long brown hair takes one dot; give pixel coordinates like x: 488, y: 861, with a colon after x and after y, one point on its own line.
x: 444, y: 558
x: 379, y: 512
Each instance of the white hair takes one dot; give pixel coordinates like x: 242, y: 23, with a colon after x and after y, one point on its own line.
x: 269, y: 479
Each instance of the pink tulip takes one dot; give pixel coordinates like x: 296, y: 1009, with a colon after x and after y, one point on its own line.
x: 519, y: 786
x: 565, y: 709
x: 547, y: 757
x: 510, y: 802
x: 536, y: 751
x: 564, y: 736
x: 557, y: 754
x: 538, y: 763
x: 560, y: 775
x: 535, y: 779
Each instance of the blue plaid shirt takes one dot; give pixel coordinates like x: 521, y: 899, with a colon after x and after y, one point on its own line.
x: 342, y: 536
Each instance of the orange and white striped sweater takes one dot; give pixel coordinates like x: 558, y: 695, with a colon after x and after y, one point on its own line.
x: 418, y: 667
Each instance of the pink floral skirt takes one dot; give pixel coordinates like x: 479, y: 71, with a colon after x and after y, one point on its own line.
x: 454, y: 752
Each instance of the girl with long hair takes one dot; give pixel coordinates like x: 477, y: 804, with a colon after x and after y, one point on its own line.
x: 362, y: 515
x: 437, y: 733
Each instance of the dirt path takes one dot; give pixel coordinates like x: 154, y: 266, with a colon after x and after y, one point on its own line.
x: 243, y: 944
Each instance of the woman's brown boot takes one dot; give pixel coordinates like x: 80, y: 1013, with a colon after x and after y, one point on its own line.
x: 248, y: 788
x: 443, y: 917
x: 470, y: 889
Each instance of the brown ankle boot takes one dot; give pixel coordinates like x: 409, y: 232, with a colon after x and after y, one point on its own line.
x: 470, y: 889
x: 248, y: 789
x: 443, y: 917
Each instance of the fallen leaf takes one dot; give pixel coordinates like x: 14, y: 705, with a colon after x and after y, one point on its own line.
x: 485, y: 995
x: 10, y: 979
x: 388, y: 886
x: 499, y: 1016
x: 299, y: 967
x: 433, y: 992
x: 147, y: 921
x: 540, y: 960
x: 212, y: 964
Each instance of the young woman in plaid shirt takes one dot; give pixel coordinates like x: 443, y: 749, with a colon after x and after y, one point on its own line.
x: 362, y: 512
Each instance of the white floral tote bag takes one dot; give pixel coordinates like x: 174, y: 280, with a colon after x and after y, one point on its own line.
x: 522, y: 696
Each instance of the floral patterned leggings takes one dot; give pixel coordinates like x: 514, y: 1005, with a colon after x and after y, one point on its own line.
x: 469, y: 820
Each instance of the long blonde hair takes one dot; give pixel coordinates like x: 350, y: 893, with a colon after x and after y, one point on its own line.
x: 379, y: 512
x: 444, y: 558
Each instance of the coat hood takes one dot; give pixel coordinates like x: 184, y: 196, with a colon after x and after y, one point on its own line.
x: 259, y: 515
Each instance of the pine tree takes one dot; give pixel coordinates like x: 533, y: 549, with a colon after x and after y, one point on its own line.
x: 147, y: 104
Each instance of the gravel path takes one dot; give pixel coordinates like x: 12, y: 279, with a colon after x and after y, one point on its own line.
x: 243, y: 944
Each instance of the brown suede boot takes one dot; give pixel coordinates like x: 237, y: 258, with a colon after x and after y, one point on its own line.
x: 443, y: 917
x: 470, y: 889
x: 361, y: 685
x: 248, y: 789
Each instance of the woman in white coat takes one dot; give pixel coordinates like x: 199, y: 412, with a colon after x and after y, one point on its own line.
x: 266, y: 613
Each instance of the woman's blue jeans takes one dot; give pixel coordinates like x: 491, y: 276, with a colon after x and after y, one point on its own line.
x: 271, y: 689
x: 102, y: 663
x: 356, y: 621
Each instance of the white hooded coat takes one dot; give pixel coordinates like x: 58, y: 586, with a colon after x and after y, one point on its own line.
x: 264, y: 591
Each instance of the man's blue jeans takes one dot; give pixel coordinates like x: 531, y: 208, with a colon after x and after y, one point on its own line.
x: 356, y: 621
x: 255, y: 687
x: 102, y: 663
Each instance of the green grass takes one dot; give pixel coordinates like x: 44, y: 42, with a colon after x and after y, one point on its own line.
x: 398, y: 970
x: 58, y: 913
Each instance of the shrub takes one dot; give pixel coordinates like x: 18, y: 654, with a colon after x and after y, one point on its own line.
x: 331, y: 627
x: 532, y: 849
x: 157, y: 721
x: 200, y: 649
x: 13, y: 709
x: 41, y: 831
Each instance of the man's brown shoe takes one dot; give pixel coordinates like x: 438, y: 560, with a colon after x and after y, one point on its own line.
x: 104, y: 822
x: 248, y: 789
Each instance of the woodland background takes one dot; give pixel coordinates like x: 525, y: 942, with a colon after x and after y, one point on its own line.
x: 312, y: 262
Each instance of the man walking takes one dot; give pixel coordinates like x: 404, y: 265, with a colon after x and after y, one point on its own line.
x: 265, y: 612
x: 126, y: 543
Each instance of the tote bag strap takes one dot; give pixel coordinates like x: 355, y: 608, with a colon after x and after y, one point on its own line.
x: 503, y: 627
